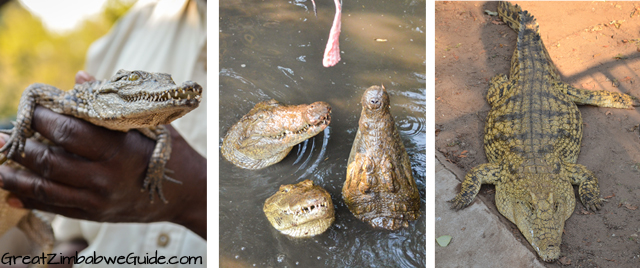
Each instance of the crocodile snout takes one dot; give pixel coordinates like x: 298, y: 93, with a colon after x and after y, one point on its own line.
x: 318, y: 113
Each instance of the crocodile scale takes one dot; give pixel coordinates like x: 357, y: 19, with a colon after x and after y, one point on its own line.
x: 532, y: 140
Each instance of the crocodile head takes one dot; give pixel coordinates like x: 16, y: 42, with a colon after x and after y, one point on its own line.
x: 300, y: 210
x: 143, y: 99
x: 539, y: 209
x: 380, y: 188
x: 267, y: 133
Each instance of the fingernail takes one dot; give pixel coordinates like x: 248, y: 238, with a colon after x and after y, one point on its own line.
x: 14, y: 202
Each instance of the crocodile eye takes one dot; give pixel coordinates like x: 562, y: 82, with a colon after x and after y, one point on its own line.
x: 133, y: 77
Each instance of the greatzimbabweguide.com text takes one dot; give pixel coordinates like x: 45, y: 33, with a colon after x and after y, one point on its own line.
x: 129, y: 259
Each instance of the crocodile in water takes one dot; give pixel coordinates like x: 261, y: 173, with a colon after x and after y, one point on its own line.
x: 300, y: 210
x: 532, y: 140
x: 380, y: 188
x: 129, y: 100
x: 266, y: 134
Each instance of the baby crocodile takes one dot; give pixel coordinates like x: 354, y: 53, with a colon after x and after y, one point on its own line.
x: 380, y: 189
x: 532, y: 140
x: 129, y: 100
x: 300, y: 210
x: 266, y: 134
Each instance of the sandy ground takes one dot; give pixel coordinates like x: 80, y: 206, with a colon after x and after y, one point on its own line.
x: 595, y: 46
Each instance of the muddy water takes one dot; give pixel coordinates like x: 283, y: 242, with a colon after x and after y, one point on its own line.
x: 273, y: 49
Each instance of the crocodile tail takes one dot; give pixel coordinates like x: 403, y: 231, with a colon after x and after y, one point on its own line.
x: 510, y: 14
x: 515, y: 17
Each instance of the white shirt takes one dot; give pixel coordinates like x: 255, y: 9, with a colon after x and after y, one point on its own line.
x: 154, y: 36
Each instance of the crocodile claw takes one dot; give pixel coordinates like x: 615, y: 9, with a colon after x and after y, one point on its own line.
x: 592, y: 205
x: 459, y: 202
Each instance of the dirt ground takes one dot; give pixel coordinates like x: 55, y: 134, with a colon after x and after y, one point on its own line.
x: 595, y: 46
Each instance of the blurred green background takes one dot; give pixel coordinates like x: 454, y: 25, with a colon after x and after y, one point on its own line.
x: 30, y: 52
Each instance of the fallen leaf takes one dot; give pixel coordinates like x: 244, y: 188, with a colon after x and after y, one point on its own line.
x: 619, y: 56
x: 380, y: 40
x: 585, y: 212
x: 444, y: 240
x: 565, y: 261
x: 491, y: 13
x: 497, y: 22
x: 608, y: 197
x: 608, y: 113
x: 629, y: 206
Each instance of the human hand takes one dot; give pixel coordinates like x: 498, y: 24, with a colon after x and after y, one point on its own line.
x: 96, y: 174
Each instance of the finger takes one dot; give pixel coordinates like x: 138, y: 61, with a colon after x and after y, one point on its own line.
x: 28, y: 185
x: 54, y: 163
x: 75, y: 135
x: 29, y: 203
x: 82, y: 76
x: 3, y: 139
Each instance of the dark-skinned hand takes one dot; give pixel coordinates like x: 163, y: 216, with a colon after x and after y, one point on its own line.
x: 96, y: 174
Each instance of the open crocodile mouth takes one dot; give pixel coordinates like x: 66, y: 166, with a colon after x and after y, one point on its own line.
x: 179, y: 94
x: 306, y: 211
x: 311, y: 129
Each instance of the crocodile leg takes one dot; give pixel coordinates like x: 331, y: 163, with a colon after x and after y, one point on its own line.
x: 483, y: 174
x: 38, y: 229
x: 22, y: 127
x: 601, y: 98
x: 587, y: 182
x: 156, y: 171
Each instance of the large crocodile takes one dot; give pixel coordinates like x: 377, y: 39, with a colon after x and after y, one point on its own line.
x: 532, y: 140
x: 266, y: 134
x: 380, y: 188
x: 300, y: 210
x: 129, y: 100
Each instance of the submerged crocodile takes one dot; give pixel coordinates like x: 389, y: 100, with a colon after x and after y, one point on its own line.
x: 129, y: 100
x: 380, y: 188
x: 300, y: 210
x: 532, y: 140
x: 266, y: 134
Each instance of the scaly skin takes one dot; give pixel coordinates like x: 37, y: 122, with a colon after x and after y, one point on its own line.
x: 300, y: 210
x: 532, y: 140
x: 129, y: 100
x: 266, y: 134
x: 380, y: 188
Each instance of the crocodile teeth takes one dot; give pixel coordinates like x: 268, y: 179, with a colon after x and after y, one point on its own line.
x: 176, y: 94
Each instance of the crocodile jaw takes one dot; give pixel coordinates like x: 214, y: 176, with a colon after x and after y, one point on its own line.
x: 539, y: 211
x: 300, y: 210
x: 143, y: 99
x: 266, y: 134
